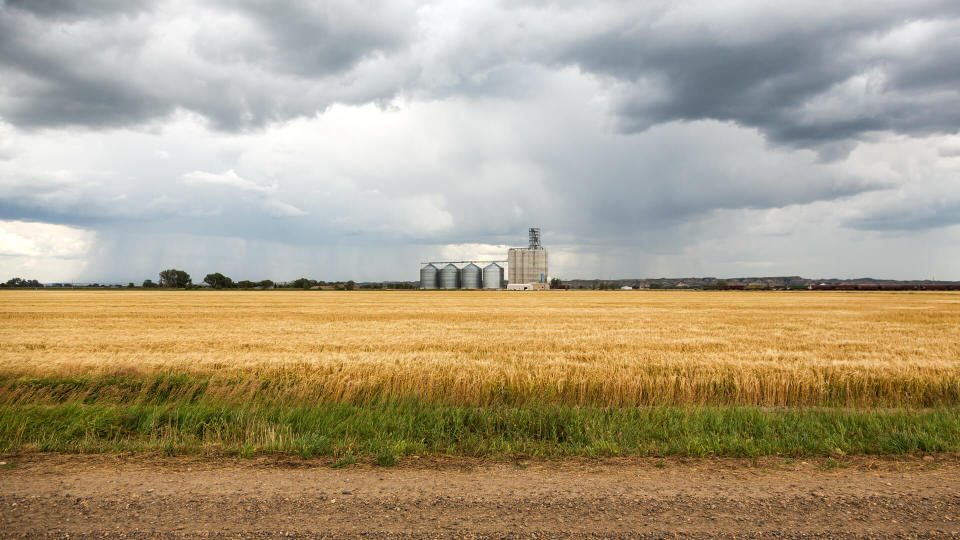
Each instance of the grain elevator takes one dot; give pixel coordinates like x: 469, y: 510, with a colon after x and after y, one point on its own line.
x: 527, y: 270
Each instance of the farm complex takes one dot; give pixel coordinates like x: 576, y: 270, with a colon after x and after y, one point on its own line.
x: 527, y: 268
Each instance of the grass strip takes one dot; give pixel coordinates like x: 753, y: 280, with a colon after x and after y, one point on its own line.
x: 386, y: 430
x: 161, y: 388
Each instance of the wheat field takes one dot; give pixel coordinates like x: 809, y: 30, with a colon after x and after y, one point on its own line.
x: 610, y: 348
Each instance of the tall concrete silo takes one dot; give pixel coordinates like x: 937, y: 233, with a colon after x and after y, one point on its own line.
x: 428, y: 277
x: 449, y: 277
x: 470, y: 277
x: 529, y: 264
x: 493, y: 276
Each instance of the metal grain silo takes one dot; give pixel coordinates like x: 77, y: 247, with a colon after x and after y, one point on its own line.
x: 493, y: 276
x: 428, y: 277
x: 470, y: 277
x: 450, y: 277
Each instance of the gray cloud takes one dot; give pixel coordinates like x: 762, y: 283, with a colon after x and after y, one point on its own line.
x: 949, y: 151
x: 67, y: 9
x: 442, y: 186
x: 61, y: 79
x: 818, y: 76
x: 944, y: 214
x: 803, y: 78
x: 644, y: 138
x: 315, y: 40
x: 914, y: 207
x: 239, y: 68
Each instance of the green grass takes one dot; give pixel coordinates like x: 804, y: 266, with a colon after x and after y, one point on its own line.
x: 183, y: 414
x: 385, y: 431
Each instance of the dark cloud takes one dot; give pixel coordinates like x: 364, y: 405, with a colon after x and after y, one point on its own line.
x: 53, y: 81
x: 89, y: 69
x: 67, y: 98
x: 67, y: 9
x: 318, y: 39
x: 794, y: 79
x: 819, y: 76
x: 680, y: 172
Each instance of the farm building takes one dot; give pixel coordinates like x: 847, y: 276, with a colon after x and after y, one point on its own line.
x: 527, y: 269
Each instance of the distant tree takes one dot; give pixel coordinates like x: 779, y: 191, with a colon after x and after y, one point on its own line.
x: 349, y: 285
x: 555, y: 283
x: 21, y: 283
x: 656, y: 285
x: 148, y: 284
x: 130, y: 285
x: 218, y: 281
x: 245, y: 284
x: 303, y: 283
x: 174, y: 278
x: 266, y: 284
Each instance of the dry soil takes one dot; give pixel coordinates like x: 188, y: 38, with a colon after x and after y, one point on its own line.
x: 150, y: 496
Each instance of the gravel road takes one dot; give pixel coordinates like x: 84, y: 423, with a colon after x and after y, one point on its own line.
x: 144, y: 496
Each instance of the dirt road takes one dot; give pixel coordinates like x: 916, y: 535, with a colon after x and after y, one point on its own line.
x: 151, y: 496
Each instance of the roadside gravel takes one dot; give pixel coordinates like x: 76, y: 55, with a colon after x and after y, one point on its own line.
x: 150, y: 496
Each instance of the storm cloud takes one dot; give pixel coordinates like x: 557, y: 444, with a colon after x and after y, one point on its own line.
x: 643, y: 137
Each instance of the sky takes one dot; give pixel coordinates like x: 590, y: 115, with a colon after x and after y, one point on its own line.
x: 354, y: 139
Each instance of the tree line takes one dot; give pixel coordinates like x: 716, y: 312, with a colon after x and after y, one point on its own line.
x: 178, y: 279
x: 17, y: 283
x: 173, y: 278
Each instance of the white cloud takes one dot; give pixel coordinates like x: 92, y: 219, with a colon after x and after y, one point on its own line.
x: 43, y: 251
x: 229, y: 178
x: 43, y: 240
x: 473, y: 251
x: 281, y: 209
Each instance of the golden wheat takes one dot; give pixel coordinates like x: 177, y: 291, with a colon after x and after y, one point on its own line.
x: 618, y: 348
